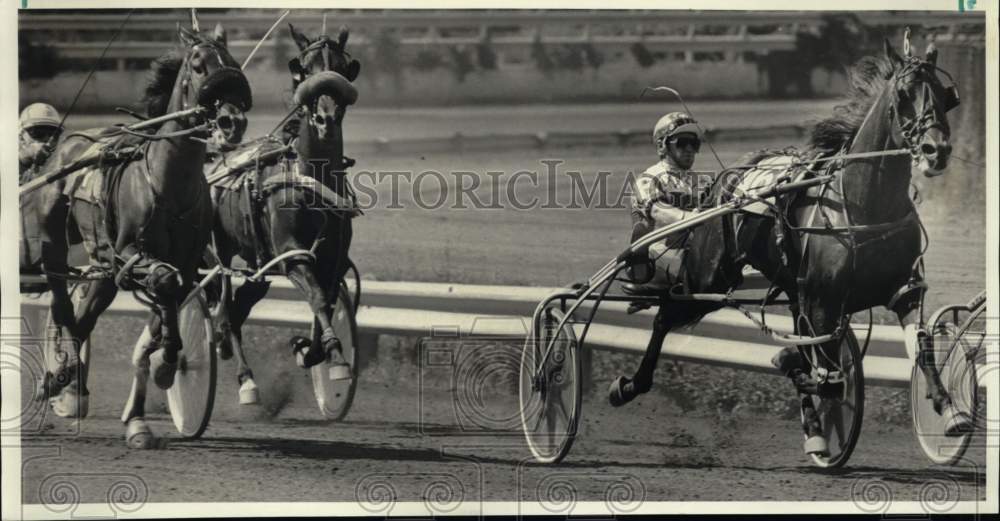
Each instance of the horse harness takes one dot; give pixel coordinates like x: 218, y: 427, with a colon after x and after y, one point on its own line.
x: 256, y: 189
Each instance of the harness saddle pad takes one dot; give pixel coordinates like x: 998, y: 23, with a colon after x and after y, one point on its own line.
x: 763, y: 175
x: 227, y: 164
x: 87, y: 183
x: 234, y: 178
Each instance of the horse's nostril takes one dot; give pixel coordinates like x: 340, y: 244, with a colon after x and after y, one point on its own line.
x: 225, y: 123
x: 928, y: 149
x: 946, y: 149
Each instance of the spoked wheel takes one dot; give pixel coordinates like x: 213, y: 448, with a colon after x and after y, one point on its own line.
x: 959, y: 342
x: 550, y: 390
x: 334, y: 397
x: 192, y: 396
x: 841, y: 413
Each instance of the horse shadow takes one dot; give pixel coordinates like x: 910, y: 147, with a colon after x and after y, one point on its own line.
x: 324, y: 450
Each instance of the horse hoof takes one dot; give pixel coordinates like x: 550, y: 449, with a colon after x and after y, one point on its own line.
x: 70, y: 404
x: 138, y: 435
x: 340, y: 372
x: 616, y: 392
x: 786, y: 360
x: 163, y: 371
x: 306, y: 355
x: 957, y: 423
x: 248, y: 393
x: 301, y: 347
x: 225, y: 348
x: 41, y: 391
x: 816, y: 446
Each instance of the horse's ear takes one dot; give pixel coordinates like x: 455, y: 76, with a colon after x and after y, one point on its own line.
x: 220, y: 34
x: 890, y: 53
x: 188, y: 38
x: 295, y: 67
x: 931, y: 54
x: 353, y: 69
x: 342, y: 37
x: 300, y: 39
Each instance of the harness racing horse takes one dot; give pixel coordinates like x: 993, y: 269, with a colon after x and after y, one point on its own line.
x: 295, y: 212
x: 150, y: 215
x: 839, y: 248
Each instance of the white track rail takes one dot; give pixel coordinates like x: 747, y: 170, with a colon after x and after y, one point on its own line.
x: 724, y: 338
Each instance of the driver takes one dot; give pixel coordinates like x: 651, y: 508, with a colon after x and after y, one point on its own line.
x: 40, y: 128
x: 664, y: 194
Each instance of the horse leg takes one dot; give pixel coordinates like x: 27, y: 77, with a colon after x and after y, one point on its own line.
x: 53, y: 213
x: 137, y: 434
x: 822, y: 320
x: 301, y: 274
x: 957, y: 422
x: 243, y: 300
x: 73, y: 400
x: 165, y: 283
x: 623, y: 389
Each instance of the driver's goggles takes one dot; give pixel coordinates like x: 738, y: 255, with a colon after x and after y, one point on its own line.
x: 685, y: 142
x: 42, y: 133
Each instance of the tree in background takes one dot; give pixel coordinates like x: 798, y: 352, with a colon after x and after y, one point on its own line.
x: 385, y: 55
x: 35, y: 60
x: 461, y: 62
x: 540, y: 54
x: 642, y: 55
x: 840, y: 41
x: 593, y: 56
x: 428, y: 60
x: 486, y: 56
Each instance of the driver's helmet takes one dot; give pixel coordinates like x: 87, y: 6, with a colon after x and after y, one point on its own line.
x: 675, y: 123
x: 39, y: 115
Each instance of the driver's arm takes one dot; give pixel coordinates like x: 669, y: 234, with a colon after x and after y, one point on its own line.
x: 664, y: 214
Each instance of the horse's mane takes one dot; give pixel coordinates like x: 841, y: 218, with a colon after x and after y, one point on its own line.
x: 867, y: 79
x: 160, y: 82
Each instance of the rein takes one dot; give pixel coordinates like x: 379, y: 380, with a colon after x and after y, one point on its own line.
x: 104, y: 155
x: 910, y: 131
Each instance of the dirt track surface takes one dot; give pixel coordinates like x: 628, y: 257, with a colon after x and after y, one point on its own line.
x: 416, y: 443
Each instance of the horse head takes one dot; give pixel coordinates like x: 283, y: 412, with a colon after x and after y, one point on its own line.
x: 211, y: 79
x: 321, y: 78
x: 920, y: 103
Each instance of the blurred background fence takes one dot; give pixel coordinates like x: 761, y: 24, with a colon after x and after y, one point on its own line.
x: 446, y: 57
x: 460, y: 60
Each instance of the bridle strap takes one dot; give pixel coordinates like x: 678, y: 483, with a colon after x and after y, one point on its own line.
x: 926, y: 117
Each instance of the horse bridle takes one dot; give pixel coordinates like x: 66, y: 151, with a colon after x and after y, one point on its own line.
x: 295, y: 66
x: 926, y: 116
x: 223, y: 121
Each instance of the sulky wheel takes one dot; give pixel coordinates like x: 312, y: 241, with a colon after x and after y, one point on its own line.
x: 959, y: 342
x: 841, y: 413
x: 192, y: 396
x: 334, y: 396
x: 550, y: 388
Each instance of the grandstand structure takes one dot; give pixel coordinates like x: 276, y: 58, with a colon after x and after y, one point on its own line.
x: 79, y: 37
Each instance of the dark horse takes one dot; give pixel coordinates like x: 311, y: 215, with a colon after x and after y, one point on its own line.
x: 839, y: 248
x: 150, y: 222
x: 302, y: 204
